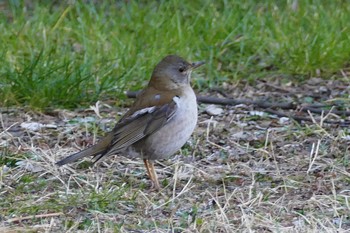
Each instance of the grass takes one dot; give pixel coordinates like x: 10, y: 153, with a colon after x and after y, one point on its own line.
x: 281, y: 185
x: 239, y: 172
x: 69, y: 55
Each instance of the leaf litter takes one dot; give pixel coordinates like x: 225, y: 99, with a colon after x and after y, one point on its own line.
x: 243, y: 170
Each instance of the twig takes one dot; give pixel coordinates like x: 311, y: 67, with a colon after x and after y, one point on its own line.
x: 227, y: 101
x: 319, y: 111
x: 261, y: 103
x: 268, y: 106
x: 301, y: 118
x: 313, y: 155
x: 19, y: 219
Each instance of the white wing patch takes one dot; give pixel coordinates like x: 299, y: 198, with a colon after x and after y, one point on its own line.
x: 143, y: 111
x: 157, y: 97
x: 177, y: 101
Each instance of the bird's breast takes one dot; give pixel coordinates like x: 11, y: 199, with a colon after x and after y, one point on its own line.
x: 174, y: 134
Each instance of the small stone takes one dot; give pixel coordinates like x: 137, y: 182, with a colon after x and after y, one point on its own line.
x: 283, y: 120
x: 32, y: 126
x: 36, y: 126
x: 213, y: 110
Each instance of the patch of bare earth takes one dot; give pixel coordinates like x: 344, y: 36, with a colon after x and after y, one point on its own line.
x: 243, y: 170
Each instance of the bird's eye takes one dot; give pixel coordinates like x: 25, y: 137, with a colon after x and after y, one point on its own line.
x: 182, y: 69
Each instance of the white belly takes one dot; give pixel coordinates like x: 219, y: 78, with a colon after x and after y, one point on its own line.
x: 175, y: 133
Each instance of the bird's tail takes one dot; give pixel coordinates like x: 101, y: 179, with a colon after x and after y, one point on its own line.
x: 99, y: 148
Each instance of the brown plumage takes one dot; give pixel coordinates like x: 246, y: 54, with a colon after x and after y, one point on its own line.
x: 159, y: 122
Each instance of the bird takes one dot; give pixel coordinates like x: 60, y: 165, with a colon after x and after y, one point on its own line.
x: 158, y: 123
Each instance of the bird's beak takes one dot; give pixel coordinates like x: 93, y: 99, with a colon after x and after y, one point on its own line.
x: 197, y: 64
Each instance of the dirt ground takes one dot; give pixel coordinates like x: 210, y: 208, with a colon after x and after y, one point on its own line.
x: 244, y: 170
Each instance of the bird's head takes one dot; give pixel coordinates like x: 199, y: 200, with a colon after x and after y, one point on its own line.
x: 172, y: 72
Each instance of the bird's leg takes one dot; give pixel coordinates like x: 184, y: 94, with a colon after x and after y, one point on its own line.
x: 146, y: 165
x: 152, y: 173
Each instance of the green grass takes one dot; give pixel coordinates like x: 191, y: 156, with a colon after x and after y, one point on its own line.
x: 59, y: 55
x: 68, y: 55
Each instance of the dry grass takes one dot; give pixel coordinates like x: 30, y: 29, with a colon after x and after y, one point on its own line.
x: 238, y: 173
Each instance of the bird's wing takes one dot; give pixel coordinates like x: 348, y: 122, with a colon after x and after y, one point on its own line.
x: 148, y: 114
x: 137, y: 124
